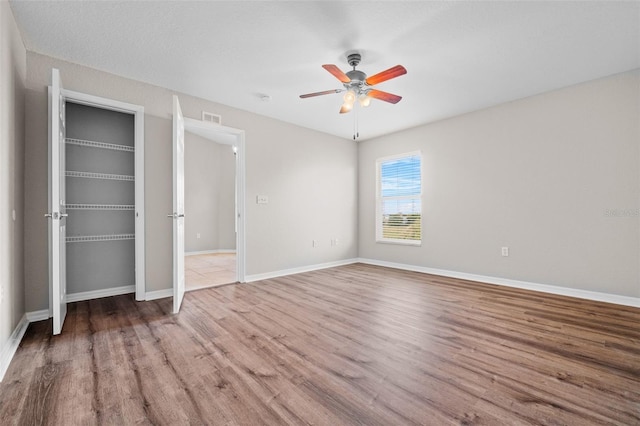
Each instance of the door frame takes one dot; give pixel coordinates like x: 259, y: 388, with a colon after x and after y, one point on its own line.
x: 138, y: 112
x: 234, y: 137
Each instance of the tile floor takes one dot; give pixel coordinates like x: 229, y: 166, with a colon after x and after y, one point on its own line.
x: 209, y: 270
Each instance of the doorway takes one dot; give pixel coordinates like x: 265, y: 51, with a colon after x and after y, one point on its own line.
x: 210, y: 213
x: 214, y: 205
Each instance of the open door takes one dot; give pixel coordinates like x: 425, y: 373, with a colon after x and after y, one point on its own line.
x: 178, y: 205
x: 57, y: 212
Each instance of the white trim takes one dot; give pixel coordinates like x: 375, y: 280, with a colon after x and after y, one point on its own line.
x: 299, y: 270
x: 219, y: 251
x: 140, y: 285
x: 159, y: 294
x: 544, y: 288
x: 380, y: 200
x: 241, y: 239
x: 11, y: 345
x: 103, y: 103
x: 95, y: 294
x: 38, y: 315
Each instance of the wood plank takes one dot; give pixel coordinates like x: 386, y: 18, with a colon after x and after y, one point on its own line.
x: 356, y: 344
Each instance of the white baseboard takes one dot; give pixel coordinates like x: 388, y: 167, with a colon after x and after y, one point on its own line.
x: 219, y: 251
x: 299, y: 270
x: 38, y: 315
x: 95, y: 294
x: 545, y: 288
x: 11, y: 345
x: 159, y: 294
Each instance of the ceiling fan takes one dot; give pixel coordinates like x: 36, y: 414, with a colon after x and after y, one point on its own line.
x: 358, y: 86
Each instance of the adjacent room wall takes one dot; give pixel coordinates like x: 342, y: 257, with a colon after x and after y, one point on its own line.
x: 12, y: 80
x: 554, y: 177
x: 309, y: 177
x: 209, y: 178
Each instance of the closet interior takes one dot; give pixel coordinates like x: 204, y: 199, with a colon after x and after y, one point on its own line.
x: 100, y: 201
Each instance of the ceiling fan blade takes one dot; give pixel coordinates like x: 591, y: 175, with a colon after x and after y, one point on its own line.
x: 393, y: 72
x: 326, y: 92
x: 384, y: 96
x: 337, y: 73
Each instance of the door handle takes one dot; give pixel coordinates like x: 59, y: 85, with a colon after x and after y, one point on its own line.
x: 172, y: 215
x: 56, y: 215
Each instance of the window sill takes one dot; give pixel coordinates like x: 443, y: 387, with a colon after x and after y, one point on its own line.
x: 401, y: 242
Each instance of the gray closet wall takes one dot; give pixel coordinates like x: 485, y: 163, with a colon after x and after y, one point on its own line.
x: 100, y: 199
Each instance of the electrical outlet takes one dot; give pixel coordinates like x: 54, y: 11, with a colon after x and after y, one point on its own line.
x: 334, y: 241
x: 198, y: 235
x: 262, y: 199
x: 314, y: 243
x: 1, y: 294
x: 505, y: 251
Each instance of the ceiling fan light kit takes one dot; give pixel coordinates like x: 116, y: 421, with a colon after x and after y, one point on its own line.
x: 358, y: 86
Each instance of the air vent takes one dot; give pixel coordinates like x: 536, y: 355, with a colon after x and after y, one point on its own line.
x: 211, y: 117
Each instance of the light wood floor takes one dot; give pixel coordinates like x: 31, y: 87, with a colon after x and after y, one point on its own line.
x: 209, y: 270
x: 353, y: 345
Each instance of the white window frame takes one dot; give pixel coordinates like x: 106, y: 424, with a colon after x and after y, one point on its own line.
x: 380, y: 200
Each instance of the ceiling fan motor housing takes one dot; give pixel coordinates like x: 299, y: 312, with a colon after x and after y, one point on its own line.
x: 357, y: 79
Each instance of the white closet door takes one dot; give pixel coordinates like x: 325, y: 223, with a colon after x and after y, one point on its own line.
x: 178, y: 205
x: 57, y: 211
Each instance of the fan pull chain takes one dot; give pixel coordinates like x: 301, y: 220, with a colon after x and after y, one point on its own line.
x: 356, y: 133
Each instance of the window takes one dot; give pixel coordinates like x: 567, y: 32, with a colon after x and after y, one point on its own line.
x: 399, y: 199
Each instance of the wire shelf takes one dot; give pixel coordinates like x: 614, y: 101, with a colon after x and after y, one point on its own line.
x: 100, y: 206
x: 103, y: 145
x: 91, y: 238
x: 88, y: 175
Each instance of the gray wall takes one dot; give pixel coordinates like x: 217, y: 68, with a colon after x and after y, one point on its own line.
x: 543, y: 176
x: 12, y: 80
x: 310, y: 178
x: 537, y: 175
x: 209, y: 177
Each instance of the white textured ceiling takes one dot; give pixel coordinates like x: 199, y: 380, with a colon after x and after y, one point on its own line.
x: 460, y: 56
